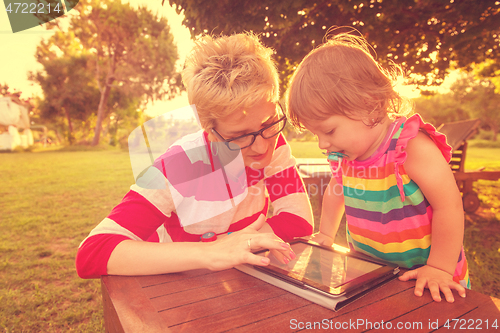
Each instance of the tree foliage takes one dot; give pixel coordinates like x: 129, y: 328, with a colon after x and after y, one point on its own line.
x: 473, y: 95
x: 425, y: 36
x: 440, y: 108
x: 126, y: 54
x: 67, y: 84
x: 490, y: 70
x: 478, y: 96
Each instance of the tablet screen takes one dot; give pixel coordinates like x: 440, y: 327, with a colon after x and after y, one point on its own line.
x: 324, y: 267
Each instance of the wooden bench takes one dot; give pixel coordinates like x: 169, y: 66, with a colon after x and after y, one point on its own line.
x: 457, y: 133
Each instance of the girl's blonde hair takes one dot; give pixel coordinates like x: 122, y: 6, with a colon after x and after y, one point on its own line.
x: 342, y: 77
x: 226, y: 73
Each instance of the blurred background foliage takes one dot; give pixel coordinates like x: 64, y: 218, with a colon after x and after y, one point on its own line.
x: 427, y: 37
x: 101, y: 68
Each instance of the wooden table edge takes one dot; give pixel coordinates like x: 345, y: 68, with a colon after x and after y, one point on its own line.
x: 129, y: 311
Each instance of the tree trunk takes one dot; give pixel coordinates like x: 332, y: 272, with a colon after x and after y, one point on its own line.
x: 70, y: 126
x: 100, y: 111
x: 494, y: 128
x: 113, y: 130
x: 58, y: 136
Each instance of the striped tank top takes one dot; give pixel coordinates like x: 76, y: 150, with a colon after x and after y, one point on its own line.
x: 388, y: 217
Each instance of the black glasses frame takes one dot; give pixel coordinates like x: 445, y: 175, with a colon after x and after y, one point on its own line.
x: 254, y: 134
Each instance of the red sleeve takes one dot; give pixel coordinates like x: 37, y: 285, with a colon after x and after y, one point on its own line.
x: 137, y: 215
x: 133, y: 218
x: 288, y: 226
x: 93, y: 255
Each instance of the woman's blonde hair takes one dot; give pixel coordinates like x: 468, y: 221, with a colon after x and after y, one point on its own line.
x: 342, y: 77
x: 226, y: 73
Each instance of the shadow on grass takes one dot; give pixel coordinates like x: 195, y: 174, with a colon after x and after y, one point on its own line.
x: 482, y: 248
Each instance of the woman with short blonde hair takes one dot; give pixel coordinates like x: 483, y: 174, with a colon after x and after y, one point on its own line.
x: 197, y: 222
x: 227, y: 73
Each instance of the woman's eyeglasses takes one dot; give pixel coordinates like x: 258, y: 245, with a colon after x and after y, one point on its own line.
x: 247, y: 140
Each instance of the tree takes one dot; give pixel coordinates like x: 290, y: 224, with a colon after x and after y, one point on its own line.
x: 123, y: 114
x: 490, y: 70
x: 67, y: 84
x: 425, y: 36
x: 438, y: 109
x: 128, y: 50
x: 477, y: 94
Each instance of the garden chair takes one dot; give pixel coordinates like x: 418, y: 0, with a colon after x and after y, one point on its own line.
x: 457, y: 133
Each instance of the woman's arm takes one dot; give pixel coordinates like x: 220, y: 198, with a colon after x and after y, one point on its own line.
x: 427, y: 167
x: 292, y: 209
x: 134, y: 218
x: 145, y: 258
x: 292, y: 216
x: 118, y: 245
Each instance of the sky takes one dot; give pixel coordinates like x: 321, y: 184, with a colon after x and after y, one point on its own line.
x: 17, y: 53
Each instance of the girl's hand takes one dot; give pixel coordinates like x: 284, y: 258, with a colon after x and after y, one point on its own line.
x: 322, y: 239
x: 435, y: 280
x: 237, y: 248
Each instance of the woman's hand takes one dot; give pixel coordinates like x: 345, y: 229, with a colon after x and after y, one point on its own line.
x: 322, y: 239
x: 435, y: 280
x: 236, y: 248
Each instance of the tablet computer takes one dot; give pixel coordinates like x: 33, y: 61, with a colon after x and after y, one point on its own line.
x: 329, y: 272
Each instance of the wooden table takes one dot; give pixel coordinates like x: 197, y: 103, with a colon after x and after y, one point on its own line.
x: 205, y: 301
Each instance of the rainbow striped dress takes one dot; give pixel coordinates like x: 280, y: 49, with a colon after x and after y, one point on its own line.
x: 387, y: 215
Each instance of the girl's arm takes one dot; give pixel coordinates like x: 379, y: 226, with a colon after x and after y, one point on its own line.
x: 331, y: 213
x: 427, y: 167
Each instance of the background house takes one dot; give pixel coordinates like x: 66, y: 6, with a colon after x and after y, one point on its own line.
x: 14, y: 125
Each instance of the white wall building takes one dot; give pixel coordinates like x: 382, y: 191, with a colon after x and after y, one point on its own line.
x: 14, y: 125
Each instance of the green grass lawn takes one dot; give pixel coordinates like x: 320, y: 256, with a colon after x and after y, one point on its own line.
x: 51, y: 200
